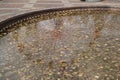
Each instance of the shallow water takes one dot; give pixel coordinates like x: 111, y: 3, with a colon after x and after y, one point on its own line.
x: 76, y: 47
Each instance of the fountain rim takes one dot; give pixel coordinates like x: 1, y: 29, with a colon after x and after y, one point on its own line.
x: 13, y: 19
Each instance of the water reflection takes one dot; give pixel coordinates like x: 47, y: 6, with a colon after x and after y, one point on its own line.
x: 77, y: 47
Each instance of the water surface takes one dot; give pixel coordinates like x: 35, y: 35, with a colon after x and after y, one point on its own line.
x: 76, y: 47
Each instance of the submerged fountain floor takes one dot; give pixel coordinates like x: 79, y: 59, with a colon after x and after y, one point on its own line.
x: 75, y: 44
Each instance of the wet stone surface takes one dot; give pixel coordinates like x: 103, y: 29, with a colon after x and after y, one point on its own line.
x: 76, y: 47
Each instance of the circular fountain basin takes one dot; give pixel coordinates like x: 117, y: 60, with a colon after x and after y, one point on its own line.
x: 80, y: 43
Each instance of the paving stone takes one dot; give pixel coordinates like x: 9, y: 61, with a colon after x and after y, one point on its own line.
x: 7, y: 5
x: 44, y: 1
x: 4, y: 11
x: 14, y: 1
x: 76, y: 1
x: 48, y: 5
x: 32, y: 1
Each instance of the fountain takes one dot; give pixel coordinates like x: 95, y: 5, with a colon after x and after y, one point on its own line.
x: 78, y: 43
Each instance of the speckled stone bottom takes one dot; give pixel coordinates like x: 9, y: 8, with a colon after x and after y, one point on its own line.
x: 73, y: 47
